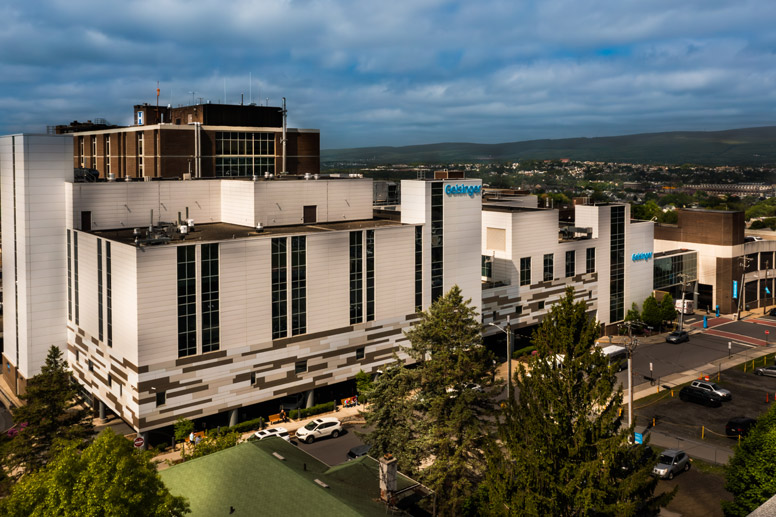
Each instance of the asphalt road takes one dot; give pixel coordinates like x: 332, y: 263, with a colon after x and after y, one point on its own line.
x: 333, y: 451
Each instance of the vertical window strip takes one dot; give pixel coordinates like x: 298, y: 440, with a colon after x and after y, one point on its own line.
x: 549, y: 267
x: 571, y: 263
x: 187, y: 301
x: 69, y: 277
x: 298, y: 285
x: 279, y: 288
x: 525, y: 271
x: 210, y: 299
x: 109, y: 292
x: 617, y: 264
x: 418, y: 268
x: 370, y: 275
x: 356, y: 277
x: 437, y: 240
x: 100, y: 286
x: 590, y: 260
x: 75, y: 276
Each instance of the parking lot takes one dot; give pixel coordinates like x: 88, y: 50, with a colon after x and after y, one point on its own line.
x: 690, y: 421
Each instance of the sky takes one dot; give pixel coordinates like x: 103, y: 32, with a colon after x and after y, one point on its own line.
x: 369, y: 73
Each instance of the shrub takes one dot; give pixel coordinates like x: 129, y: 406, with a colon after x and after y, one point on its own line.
x: 526, y: 350
x: 310, y: 411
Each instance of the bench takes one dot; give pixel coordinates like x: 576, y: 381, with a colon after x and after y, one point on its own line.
x: 200, y: 435
x: 349, y: 402
x: 275, y: 419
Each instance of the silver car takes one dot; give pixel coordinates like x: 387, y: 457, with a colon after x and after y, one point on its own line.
x: 766, y: 370
x: 671, y: 462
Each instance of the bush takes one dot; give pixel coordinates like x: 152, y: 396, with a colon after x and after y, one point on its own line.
x: 520, y: 352
x: 248, y: 425
x: 310, y: 411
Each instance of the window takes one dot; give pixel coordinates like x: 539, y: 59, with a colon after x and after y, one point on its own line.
x: 187, y: 301
x: 100, y: 286
x: 590, y: 260
x: 139, y: 153
x: 300, y: 366
x: 298, y: 285
x: 571, y: 258
x: 81, y: 152
x: 487, y: 266
x: 110, y: 380
x: 94, y: 152
x: 210, y: 300
x: 279, y: 288
x: 370, y: 275
x: 244, y: 153
x: 356, y: 277
x: 75, y: 276
x: 161, y: 398
x: 418, y: 268
x: 69, y: 277
x: 359, y: 353
x: 253, y: 378
x: 518, y: 310
x: 77, y: 355
x: 541, y: 306
x: 617, y: 264
x: 109, y: 293
x: 525, y: 271
x: 91, y: 365
x: 107, y: 155
x: 549, y: 270
x: 437, y: 240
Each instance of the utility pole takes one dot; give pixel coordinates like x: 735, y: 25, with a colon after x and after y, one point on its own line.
x: 632, y: 344
x: 681, y: 310
x: 765, y: 304
x: 509, y: 360
x: 742, y: 292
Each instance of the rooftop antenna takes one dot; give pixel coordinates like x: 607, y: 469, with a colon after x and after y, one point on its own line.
x: 250, y: 88
x: 267, y: 102
x: 224, y: 91
x: 157, y: 94
x: 192, y: 97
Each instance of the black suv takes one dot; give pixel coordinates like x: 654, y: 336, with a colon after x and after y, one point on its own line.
x: 700, y: 396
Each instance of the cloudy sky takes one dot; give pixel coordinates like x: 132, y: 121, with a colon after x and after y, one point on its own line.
x: 399, y: 72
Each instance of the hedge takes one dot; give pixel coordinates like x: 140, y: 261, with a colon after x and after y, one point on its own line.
x: 526, y: 350
x: 310, y: 411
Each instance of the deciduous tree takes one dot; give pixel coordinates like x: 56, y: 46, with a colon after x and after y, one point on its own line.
x: 106, y: 478
x: 751, y: 472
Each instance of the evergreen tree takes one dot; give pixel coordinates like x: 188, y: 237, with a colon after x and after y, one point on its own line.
x: 434, y: 416
x: 751, y: 472
x: 561, y: 448
x: 633, y: 314
x: 651, y: 313
x: 667, y: 308
x: 107, y: 478
x: 52, y: 411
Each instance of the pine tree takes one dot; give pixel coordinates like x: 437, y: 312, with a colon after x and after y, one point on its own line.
x: 52, y: 411
x: 434, y: 415
x: 561, y: 448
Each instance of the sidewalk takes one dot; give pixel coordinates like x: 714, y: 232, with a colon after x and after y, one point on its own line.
x: 347, y: 415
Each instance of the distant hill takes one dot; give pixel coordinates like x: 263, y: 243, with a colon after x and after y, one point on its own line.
x: 750, y: 146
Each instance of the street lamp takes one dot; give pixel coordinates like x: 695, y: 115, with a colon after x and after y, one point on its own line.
x: 508, y: 332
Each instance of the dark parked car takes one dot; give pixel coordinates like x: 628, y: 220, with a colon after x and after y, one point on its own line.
x: 700, y: 396
x: 712, y: 387
x: 677, y: 336
x: 358, y: 451
x: 739, y: 426
x: 770, y: 371
x: 772, y: 312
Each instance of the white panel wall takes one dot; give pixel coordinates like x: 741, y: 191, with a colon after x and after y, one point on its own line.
x: 638, y: 274
x: 328, y: 270
x: 237, y: 202
x: 41, y: 164
x: 394, y: 272
x: 415, y: 202
x: 124, y: 286
x: 504, y: 268
x: 462, y: 226
x: 535, y: 233
x: 157, y: 301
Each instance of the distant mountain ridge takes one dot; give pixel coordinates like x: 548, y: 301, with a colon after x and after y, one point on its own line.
x: 747, y: 146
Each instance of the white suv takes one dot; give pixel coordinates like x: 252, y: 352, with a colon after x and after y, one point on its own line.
x: 318, y: 428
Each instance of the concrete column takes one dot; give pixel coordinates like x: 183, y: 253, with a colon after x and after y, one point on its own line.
x: 232, y: 417
x: 101, y: 406
x: 310, y: 398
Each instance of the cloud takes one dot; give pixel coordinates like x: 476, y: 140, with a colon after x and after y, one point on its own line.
x: 403, y: 72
